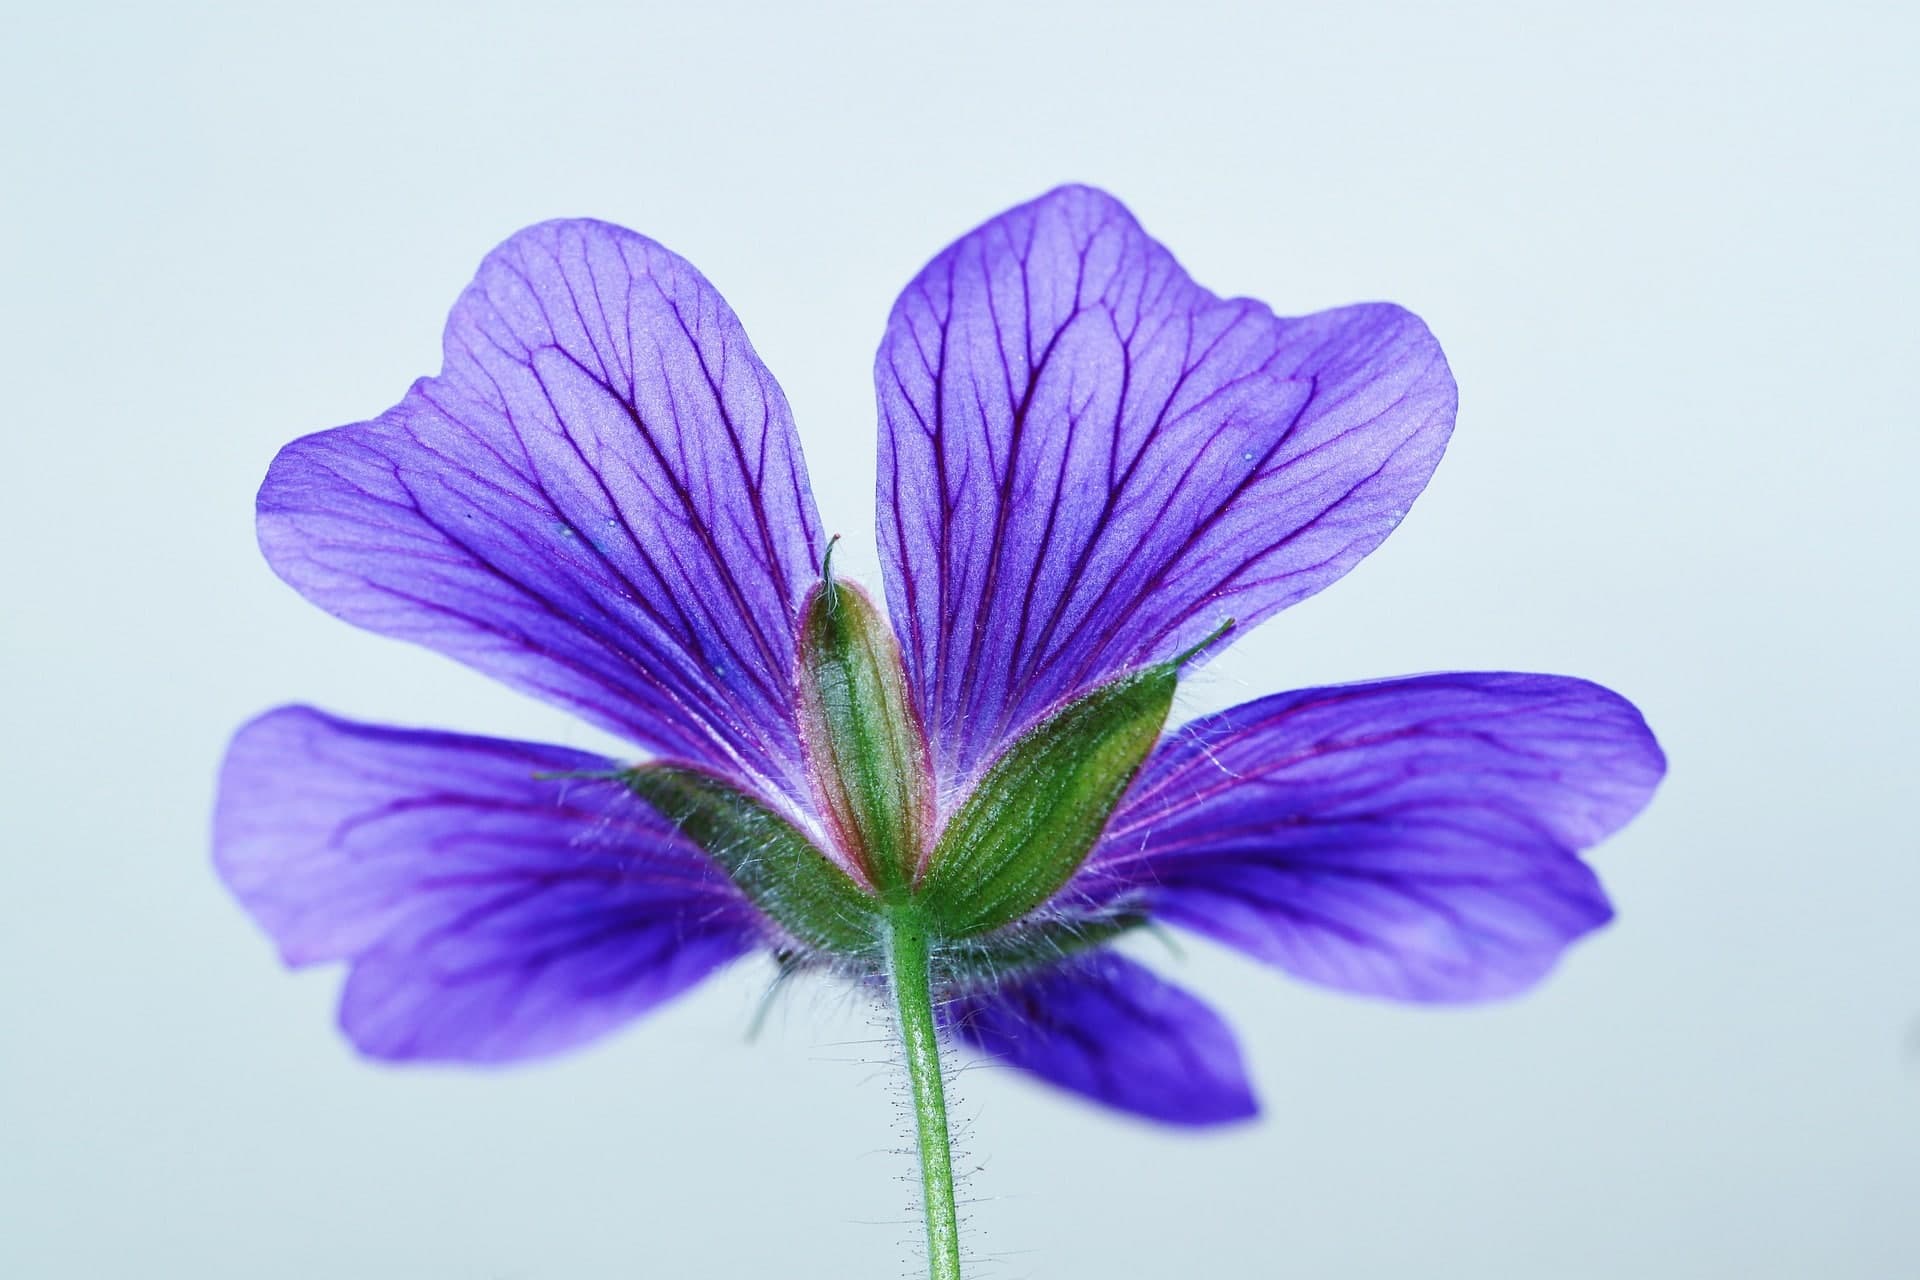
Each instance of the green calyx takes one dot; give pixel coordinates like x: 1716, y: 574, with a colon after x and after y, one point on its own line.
x: 1037, y: 811
x: 928, y: 915
x: 980, y: 890
x: 774, y: 864
x: 865, y: 749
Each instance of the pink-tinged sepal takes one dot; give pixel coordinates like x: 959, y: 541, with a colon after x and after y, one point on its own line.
x: 866, y: 755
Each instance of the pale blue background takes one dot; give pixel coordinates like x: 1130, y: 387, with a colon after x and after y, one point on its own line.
x: 1671, y: 252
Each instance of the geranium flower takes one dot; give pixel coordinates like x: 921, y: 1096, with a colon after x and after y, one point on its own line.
x: 1093, y: 475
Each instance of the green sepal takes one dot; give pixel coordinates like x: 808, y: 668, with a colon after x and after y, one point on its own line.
x: 776, y: 866
x: 1037, y: 811
x: 865, y: 749
x: 989, y: 960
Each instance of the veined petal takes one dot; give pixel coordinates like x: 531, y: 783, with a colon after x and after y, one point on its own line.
x: 1088, y: 462
x: 488, y: 912
x: 1108, y: 1029
x: 1411, y: 838
x: 599, y: 500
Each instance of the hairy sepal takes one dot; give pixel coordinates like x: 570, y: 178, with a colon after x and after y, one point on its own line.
x: 774, y: 864
x: 987, y: 961
x: 1038, y: 809
x: 865, y: 750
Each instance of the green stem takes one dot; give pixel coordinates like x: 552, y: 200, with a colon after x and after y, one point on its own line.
x: 908, y: 976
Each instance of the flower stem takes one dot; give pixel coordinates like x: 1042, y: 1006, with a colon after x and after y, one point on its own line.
x: 908, y: 964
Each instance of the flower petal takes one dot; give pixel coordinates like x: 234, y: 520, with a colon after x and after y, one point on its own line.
x: 599, y: 500
x: 1088, y: 461
x: 1110, y: 1030
x: 488, y: 912
x: 1409, y: 838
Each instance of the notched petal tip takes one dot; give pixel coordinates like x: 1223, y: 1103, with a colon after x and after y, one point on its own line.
x: 265, y: 820
x: 600, y: 500
x: 1413, y: 839
x: 1087, y: 459
x: 491, y: 903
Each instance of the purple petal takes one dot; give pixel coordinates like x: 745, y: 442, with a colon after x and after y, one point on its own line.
x: 1088, y: 461
x: 600, y: 500
x: 1108, y: 1029
x: 488, y: 913
x: 1410, y: 838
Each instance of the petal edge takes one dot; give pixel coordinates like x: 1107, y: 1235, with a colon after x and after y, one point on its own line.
x: 1088, y: 461
x: 599, y: 500
x: 1414, y: 839
x: 487, y: 912
x: 1110, y: 1030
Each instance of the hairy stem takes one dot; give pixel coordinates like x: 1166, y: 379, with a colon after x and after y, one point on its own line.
x: 907, y: 975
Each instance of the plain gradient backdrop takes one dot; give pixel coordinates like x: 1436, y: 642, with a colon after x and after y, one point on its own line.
x: 1670, y: 250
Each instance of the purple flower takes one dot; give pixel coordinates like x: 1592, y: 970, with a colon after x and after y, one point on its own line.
x: 1091, y: 468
